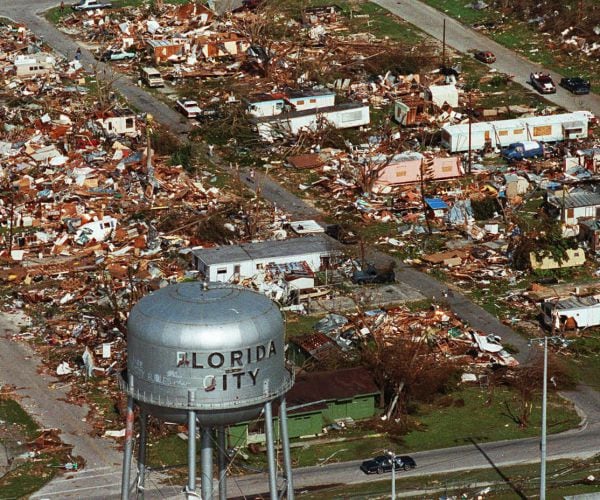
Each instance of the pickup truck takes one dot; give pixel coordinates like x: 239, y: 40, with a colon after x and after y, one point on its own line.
x: 91, y: 5
x: 521, y: 150
x: 189, y: 108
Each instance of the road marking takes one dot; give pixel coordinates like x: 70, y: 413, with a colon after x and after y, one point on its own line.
x: 81, y: 478
x: 62, y: 492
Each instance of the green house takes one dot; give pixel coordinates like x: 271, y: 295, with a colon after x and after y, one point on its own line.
x: 316, y: 400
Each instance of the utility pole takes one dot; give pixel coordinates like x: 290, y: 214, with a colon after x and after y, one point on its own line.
x: 444, y: 45
x: 543, y: 441
x: 392, y: 456
x: 470, y: 112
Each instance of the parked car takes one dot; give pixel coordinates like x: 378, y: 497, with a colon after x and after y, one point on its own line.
x: 90, y: 5
x: 116, y: 55
x: 189, y: 108
x: 485, y: 56
x: 576, y: 85
x: 526, y: 149
x: 383, y: 463
x: 342, y: 234
x: 371, y: 275
x: 543, y: 83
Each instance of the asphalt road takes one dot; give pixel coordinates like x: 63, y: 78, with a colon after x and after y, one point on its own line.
x: 463, y: 38
x: 100, y: 480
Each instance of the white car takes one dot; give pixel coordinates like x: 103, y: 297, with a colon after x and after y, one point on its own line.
x: 91, y: 5
x: 189, y: 108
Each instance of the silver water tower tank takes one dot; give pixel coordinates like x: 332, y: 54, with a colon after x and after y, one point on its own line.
x: 210, y: 354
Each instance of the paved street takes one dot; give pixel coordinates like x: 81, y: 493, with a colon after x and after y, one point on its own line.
x: 101, y: 478
x: 464, y: 38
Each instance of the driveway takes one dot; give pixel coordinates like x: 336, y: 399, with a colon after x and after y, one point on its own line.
x: 463, y: 38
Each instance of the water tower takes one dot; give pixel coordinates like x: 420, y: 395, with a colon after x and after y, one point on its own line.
x: 209, y: 355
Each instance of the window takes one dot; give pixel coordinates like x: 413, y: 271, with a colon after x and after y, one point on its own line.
x: 503, y: 133
x: 110, y: 125
x: 575, y: 254
x: 518, y: 131
x: 253, y: 107
x: 351, y: 116
x: 260, y: 266
x: 313, y: 101
x: 447, y: 168
x: 299, y: 103
x: 574, y: 131
x: 128, y: 122
x: 221, y: 270
x: 236, y: 269
x: 400, y: 173
x: 542, y: 130
x: 278, y: 105
x: 570, y: 213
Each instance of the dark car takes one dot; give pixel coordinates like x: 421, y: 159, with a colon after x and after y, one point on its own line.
x: 341, y: 233
x: 371, y: 275
x: 576, y: 85
x: 383, y: 463
x: 485, y: 56
x: 542, y: 82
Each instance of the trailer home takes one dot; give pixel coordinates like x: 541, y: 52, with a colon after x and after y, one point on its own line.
x: 502, y: 133
x: 571, y: 313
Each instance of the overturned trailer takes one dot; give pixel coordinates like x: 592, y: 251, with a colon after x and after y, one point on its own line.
x: 502, y: 133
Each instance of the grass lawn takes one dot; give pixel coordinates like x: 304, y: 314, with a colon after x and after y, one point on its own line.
x: 27, y: 476
x: 455, y: 420
x: 524, y: 39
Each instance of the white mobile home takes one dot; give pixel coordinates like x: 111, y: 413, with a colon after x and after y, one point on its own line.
x: 230, y: 263
x: 119, y: 122
x: 571, y: 207
x: 571, y: 312
x: 502, y: 133
x: 347, y: 115
x: 34, y: 64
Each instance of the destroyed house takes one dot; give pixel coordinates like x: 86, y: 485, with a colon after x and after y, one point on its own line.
x: 220, y: 45
x: 571, y: 207
x: 34, y: 64
x: 571, y: 312
x: 162, y: 51
x: 235, y: 262
x: 589, y: 230
x: 321, y: 398
x: 405, y: 168
x: 502, y: 133
x: 118, y: 122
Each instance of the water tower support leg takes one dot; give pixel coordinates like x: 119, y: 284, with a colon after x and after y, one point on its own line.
x: 222, y: 463
x: 126, y: 477
x: 285, y: 443
x: 271, y: 451
x: 191, y: 486
x: 142, y: 455
x: 206, y: 460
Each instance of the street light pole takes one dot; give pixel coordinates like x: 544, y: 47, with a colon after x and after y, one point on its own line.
x: 543, y: 442
x: 393, y: 458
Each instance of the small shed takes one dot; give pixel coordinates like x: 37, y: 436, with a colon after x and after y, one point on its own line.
x: 436, y: 207
x: 516, y: 185
x: 321, y: 398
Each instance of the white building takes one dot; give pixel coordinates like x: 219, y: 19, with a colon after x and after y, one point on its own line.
x: 571, y: 312
x: 347, y: 115
x: 231, y: 263
x: 502, y: 133
x: 119, y: 122
x: 34, y: 64
x: 571, y: 207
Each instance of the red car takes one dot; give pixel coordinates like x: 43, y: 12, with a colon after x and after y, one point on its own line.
x: 485, y: 56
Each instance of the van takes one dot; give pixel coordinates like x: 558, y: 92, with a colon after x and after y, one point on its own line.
x: 151, y: 77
